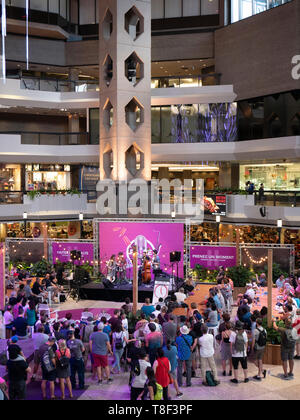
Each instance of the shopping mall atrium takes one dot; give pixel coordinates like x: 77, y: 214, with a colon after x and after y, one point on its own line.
x: 100, y: 94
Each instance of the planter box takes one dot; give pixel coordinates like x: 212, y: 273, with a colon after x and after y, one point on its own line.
x: 272, y: 355
x: 236, y: 204
x: 56, y: 203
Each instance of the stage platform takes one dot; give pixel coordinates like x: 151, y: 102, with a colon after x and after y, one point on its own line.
x: 96, y: 291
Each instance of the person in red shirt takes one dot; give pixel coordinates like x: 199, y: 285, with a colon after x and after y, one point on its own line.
x: 162, y: 368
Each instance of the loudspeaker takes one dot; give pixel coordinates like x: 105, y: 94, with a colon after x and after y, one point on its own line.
x: 75, y: 255
x: 107, y: 284
x: 175, y: 256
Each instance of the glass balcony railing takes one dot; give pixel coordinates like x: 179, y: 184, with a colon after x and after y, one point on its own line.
x: 52, y: 139
x: 58, y: 85
x: 211, y: 79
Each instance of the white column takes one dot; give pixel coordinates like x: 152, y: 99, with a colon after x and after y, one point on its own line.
x: 125, y: 29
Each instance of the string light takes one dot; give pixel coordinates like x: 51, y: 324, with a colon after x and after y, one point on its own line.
x: 257, y: 262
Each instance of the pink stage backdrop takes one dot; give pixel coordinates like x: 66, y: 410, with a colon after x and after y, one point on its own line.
x: 119, y: 237
x: 212, y: 257
x: 61, y: 251
x: 2, y: 276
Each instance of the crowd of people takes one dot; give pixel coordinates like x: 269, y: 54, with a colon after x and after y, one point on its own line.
x: 160, y: 350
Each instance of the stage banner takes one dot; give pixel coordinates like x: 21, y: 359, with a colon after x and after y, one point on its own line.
x: 161, y: 290
x: 2, y: 276
x: 61, y: 252
x: 212, y: 257
x: 115, y: 237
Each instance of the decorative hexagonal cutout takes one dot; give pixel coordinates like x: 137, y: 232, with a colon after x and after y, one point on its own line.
x: 108, y: 162
x: 134, y: 23
x: 108, y: 114
x: 134, y: 68
x: 107, y: 25
x: 134, y: 159
x: 134, y: 113
x: 108, y: 70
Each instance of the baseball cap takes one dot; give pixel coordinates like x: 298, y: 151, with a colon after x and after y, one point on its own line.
x: 14, y: 339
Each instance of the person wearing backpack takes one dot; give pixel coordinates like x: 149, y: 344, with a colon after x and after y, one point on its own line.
x: 155, y: 390
x: 139, y: 376
x: 48, y: 363
x: 119, y: 342
x: 239, y: 342
x: 63, y: 369
x: 259, y: 346
x: 289, y: 338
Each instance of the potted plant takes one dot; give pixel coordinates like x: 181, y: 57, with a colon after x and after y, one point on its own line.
x: 240, y: 276
x: 272, y: 354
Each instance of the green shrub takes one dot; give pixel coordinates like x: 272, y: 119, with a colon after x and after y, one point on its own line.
x: 277, y: 271
x: 240, y: 275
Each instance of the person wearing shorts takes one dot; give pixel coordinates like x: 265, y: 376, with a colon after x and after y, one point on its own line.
x: 48, y: 373
x: 239, y: 356
x: 100, y: 348
x: 259, y: 351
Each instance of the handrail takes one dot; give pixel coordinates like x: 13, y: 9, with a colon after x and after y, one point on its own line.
x: 60, y: 136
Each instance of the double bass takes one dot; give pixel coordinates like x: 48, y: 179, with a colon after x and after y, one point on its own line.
x: 146, y: 274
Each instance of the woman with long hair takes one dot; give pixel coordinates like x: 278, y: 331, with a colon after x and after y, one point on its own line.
x: 162, y: 368
x: 63, y: 369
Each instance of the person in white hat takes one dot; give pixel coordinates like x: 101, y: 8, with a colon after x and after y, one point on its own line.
x: 185, y: 348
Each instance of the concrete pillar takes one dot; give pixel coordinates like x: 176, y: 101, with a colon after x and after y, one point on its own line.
x: 229, y: 175
x: 73, y: 126
x: 125, y: 31
x: 163, y: 173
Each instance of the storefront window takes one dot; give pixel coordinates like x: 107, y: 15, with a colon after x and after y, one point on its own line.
x: 281, y: 176
x: 10, y: 177
x: 47, y: 177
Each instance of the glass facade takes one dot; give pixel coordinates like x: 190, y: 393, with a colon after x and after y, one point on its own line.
x: 194, y: 123
x: 275, y: 176
x: 166, y: 9
x: 60, y: 7
x: 242, y: 9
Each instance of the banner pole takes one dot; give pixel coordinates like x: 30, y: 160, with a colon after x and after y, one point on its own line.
x: 270, y: 286
x: 135, y: 279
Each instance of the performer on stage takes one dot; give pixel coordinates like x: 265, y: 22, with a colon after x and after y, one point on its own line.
x: 155, y: 264
x: 112, y: 268
x: 121, y: 268
x: 146, y: 273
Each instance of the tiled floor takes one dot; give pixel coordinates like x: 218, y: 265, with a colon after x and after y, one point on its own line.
x: 271, y: 388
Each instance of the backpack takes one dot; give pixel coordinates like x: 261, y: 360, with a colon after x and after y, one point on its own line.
x: 159, y: 392
x: 46, y: 362
x: 289, y: 338
x: 210, y: 379
x: 119, y: 342
x: 262, y: 338
x: 3, y: 358
x: 239, y: 344
x: 64, y: 361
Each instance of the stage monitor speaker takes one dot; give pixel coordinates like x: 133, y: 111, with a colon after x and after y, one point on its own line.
x: 75, y: 255
x: 175, y: 256
x: 107, y: 284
